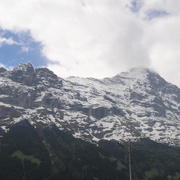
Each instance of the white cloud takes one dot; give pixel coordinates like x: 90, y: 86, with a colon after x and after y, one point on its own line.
x: 99, y: 37
x: 7, y: 41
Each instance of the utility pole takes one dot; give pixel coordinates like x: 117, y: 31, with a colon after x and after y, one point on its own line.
x: 130, y: 160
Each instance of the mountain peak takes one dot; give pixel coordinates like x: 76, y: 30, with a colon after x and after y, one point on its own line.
x: 2, y: 70
x: 24, y: 73
x: 24, y: 67
x: 138, y: 78
x: 137, y: 73
x: 133, y: 75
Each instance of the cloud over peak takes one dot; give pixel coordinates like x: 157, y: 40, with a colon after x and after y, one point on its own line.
x: 100, y: 38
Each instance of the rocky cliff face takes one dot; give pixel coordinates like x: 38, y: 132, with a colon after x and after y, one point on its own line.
x: 133, y: 104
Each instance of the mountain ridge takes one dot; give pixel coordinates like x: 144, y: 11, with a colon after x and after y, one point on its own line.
x: 130, y: 105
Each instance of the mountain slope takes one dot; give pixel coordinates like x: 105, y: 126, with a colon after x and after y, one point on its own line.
x: 133, y: 104
x: 28, y: 153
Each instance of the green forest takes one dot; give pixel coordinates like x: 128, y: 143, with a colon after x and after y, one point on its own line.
x: 28, y: 153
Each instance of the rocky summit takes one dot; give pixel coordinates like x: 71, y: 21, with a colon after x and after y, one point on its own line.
x: 131, y: 105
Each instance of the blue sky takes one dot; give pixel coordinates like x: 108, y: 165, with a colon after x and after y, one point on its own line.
x: 21, y: 49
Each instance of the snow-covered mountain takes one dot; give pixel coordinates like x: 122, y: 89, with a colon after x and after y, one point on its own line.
x: 130, y: 105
